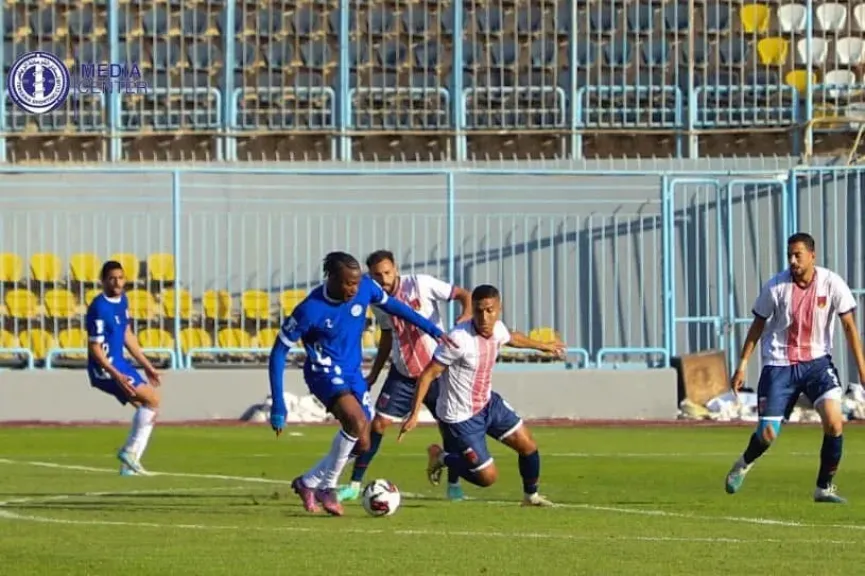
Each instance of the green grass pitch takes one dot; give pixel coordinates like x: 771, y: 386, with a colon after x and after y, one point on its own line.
x: 633, y: 501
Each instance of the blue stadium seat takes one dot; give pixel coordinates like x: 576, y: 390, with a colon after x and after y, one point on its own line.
x: 381, y: 20
x: 90, y: 51
x: 473, y: 55
x: 221, y: 24
x: 602, y: 19
x: 700, y: 54
x: 529, y: 19
x: 315, y: 54
x: 544, y: 52
x: 587, y: 52
x: 16, y: 121
x: 677, y: 16
x: 126, y: 24
x: 43, y: 22
x: 731, y: 51
x: 279, y: 54
x: 155, y: 21
x: 717, y: 16
x: 392, y: 54
x: 427, y: 55
x: 359, y: 55
x: 416, y: 20
x: 617, y: 52
x: 270, y: 22
x: 655, y: 52
x: 446, y: 20
x: 245, y: 55
x: 489, y: 19
x: 203, y: 55
x: 81, y: 21
x: 641, y: 18
x: 165, y: 55
x: 333, y: 21
x: 193, y: 21
x: 10, y: 23
x: 503, y: 53
x: 306, y: 21
x: 563, y: 22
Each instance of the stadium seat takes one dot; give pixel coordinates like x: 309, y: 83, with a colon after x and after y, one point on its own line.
x: 84, y: 268
x: 819, y: 51
x: 255, y: 305
x: 186, y: 308
x: 216, y: 304
x: 194, y: 338
x: 46, y: 268
x: 8, y: 340
x: 266, y: 337
x: 831, y: 17
x: 130, y: 263
x: 73, y: 338
x: 850, y: 51
x: 90, y: 294
x: 38, y: 341
x: 234, y: 338
x: 773, y: 51
x: 289, y: 299
x: 546, y: 335
x: 792, y: 18
x: 755, y: 18
x: 798, y: 79
x: 11, y: 268
x: 859, y: 16
x: 717, y: 16
x: 60, y: 303
x: 640, y: 18
x: 160, y: 268
x: 142, y: 305
x: 155, y: 338
x: 22, y: 304
x: 837, y: 83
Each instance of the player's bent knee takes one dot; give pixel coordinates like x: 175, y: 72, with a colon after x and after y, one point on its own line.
x: 768, y: 430
x: 379, y: 424
x: 487, y: 476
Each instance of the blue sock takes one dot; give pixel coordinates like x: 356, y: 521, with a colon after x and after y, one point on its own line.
x: 755, y: 449
x: 830, y: 457
x: 530, y: 470
x: 457, y: 464
x: 364, y: 459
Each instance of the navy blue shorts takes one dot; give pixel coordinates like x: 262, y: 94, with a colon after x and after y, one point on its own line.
x: 112, y: 388
x: 328, y: 387
x: 395, y: 399
x: 497, y: 419
x: 780, y: 386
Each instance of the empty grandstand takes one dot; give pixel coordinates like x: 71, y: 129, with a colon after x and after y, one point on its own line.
x: 421, y: 79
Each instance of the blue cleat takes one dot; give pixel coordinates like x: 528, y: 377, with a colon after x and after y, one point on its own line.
x: 349, y: 492
x: 129, y: 460
x: 736, y: 476
x: 828, y: 495
x: 127, y: 471
x: 455, y: 492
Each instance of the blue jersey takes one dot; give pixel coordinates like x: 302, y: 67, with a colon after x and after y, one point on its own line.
x: 331, y: 331
x: 107, y: 320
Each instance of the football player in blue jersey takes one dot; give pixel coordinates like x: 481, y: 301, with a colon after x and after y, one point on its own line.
x: 109, y: 332
x: 330, y: 322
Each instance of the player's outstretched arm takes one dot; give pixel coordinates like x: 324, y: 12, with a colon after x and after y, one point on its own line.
x: 396, y: 308
x: 427, y: 377
x: 520, y: 340
x: 464, y: 297
x: 381, y: 356
x: 854, y: 341
x: 134, y: 346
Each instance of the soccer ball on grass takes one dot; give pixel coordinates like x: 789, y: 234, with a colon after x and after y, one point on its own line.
x: 381, y: 498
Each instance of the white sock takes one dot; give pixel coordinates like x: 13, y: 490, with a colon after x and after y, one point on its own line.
x: 312, y: 479
x: 340, y: 451
x: 139, y: 434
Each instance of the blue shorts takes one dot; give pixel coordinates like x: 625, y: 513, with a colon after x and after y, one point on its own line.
x: 497, y: 419
x: 328, y: 387
x: 111, y: 387
x: 395, y: 399
x: 780, y: 386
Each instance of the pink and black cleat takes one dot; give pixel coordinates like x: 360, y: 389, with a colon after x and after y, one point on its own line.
x: 307, y: 495
x: 329, y: 501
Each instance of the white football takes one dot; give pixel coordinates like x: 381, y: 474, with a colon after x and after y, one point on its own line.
x: 381, y: 498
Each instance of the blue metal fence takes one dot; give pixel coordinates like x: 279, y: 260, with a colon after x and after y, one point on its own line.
x: 629, y: 268
x: 347, y: 68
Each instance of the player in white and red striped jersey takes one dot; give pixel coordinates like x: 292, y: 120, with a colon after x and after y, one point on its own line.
x: 468, y: 407
x: 410, y: 351
x: 794, y: 318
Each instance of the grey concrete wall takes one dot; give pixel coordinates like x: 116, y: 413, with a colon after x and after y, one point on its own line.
x: 65, y: 396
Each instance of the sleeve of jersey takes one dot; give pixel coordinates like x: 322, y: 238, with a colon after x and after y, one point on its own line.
x: 501, y: 333
x: 438, y: 289
x: 290, y: 332
x: 764, y: 306
x: 447, y: 355
x: 382, y: 319
x: 95, y: 326
x: 400, y: 310
x: 845, y: 302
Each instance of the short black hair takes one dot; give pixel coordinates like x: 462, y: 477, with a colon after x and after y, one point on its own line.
x: 336, y: 261
x: 805, y: 239
x: 378, y: 257
x: 485, y: 291
x: 109, y: 267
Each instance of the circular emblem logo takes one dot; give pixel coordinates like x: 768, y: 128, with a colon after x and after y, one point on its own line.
x: 38, y: 82
x: 356, y: 310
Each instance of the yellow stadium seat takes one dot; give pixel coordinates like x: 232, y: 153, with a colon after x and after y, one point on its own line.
x: 160, y: 267
x: 798, y: 79
x: 130, y: 264
x: 91, y: 294
x: 60, y: 303
x: 544, y: 334
x: 8, y: 340
x: 155, y: 338
x: 142, y: 305
x: 256, y: 304
x: 234, y: 338
x: 368, y: 339
x: 773, y: 51
x: 289, y: 299
x: 38, y: 341
x: 266, y: 337
x: 216, y: 304
x: 194, y: 338
x: 167, y: 299
x: 755, y: 18
x: 11, y: 268
x: 22, y: 303
x: 85, y: 268
x: 73, y: 338
x: 45, y: 267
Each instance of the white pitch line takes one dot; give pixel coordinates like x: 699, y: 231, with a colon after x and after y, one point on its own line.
x: 409, y: 495
x: 7, y: 514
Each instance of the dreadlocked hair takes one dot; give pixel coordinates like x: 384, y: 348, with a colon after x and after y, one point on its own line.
x: 335, y: 261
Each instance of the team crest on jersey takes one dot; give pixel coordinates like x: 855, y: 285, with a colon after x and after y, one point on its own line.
x: 821, y: 301
x: 356, y: 310
x: 415, y: 304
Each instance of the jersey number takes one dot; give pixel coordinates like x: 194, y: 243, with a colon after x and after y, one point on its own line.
x: 103, y: 373
x: 320, y: 358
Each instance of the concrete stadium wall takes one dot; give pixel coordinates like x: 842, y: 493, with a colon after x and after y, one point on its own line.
x: 65, y: 396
